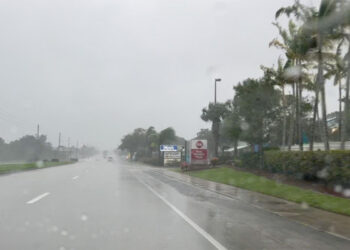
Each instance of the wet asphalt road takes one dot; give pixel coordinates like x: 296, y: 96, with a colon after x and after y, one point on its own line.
x: 102, y: 205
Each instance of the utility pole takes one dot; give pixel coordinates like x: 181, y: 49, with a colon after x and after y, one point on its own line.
x: 77, y: 151
x: 215, y: 123
x: 37, y: 131
x: 57, y: 152
x: 68, y: 149
x: 216, y: 80
x: 59, y: 140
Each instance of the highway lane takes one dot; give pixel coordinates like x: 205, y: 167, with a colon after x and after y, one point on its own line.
x: 102, y: 205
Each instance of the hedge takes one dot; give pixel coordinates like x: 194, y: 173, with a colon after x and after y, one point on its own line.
x: 329, y: 167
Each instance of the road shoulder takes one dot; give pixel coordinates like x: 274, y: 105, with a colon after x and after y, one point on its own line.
x: 332, y: 223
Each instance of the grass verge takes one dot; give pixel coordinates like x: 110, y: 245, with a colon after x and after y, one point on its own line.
x: 10, y: 168
x: 263, y: 185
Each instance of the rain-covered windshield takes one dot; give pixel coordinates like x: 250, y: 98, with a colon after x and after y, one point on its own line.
x: 174, y: 124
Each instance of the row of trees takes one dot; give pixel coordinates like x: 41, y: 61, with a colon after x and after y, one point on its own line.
x: 316, y: 48
x: 31, y: 148
x: 145, y: 141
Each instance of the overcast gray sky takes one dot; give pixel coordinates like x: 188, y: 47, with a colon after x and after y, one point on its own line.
x: 97, y: 69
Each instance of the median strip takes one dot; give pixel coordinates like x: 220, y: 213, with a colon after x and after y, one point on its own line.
x: 12, y: 168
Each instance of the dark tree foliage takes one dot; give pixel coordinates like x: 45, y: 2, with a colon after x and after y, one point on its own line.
x: 257, y: 102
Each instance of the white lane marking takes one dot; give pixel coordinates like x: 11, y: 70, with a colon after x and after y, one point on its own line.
x: 38, y: 198
x: 75, y: 177
x: 200, y: 230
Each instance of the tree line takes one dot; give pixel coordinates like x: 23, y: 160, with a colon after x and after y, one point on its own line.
x: 31, y: 148
x: 288, y: 104
x: 144, y: 142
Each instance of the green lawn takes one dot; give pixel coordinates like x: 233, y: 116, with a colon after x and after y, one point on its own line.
x: 266, y: 186
x: 9, y: 168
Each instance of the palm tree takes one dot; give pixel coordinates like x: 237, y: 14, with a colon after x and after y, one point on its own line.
x: 334, y: 18
x: 215, y: 113
x: 286, y: 36
x: 347, y: 89
x: 327, y: 8
x: 279, y: 77
x: 314, y: 26
x: 296, y: 43
x: 337, y: 70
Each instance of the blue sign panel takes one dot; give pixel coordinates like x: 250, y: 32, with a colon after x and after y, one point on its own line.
x: 164, y: 148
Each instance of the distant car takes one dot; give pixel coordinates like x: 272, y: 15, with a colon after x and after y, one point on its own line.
x: 110, y: 158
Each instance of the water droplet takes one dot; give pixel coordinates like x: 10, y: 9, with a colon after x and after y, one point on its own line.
x: 83, y: 217
x: 39, y: 164
x: 346, y: 192
x: 323, y: 173
x: 304, y: 205
x: 338, y: 188
x: 293, y: 73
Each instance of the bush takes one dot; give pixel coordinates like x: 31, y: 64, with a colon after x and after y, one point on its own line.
x: 224, y: 159
x: 249, y: 160
x: 331, y: 167
x: 214, y: 161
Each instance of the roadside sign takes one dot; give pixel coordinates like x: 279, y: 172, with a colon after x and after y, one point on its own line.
x: 172, y: 158
x: 167, y: 148
x: 199, y: 152
x: 199, y: 144
x: 172, y: 155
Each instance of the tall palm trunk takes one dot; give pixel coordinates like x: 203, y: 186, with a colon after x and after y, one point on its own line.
x: 297, y: 113
x: 313, y: 126
x: 284, y: 128
x: 346, y: 108
x: 291, y: 121
x: 215, y: 131
x: 300, y: 128
x: 340, y: 107
x: 320, y: 82
x: 337, y: 80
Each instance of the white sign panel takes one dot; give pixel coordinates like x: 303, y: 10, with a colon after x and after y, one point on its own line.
x: 172, y: 155
x: 199, y: 144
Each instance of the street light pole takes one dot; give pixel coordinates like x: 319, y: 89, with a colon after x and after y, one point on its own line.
x: 216, y: 80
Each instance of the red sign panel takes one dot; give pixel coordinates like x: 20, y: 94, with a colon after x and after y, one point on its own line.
x: 199, y: 154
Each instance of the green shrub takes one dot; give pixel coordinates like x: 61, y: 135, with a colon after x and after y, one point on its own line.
x: 224, y: 159
x: 329, y: 167
x: 249, y: 160
x: 214, y: 161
